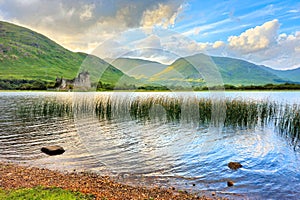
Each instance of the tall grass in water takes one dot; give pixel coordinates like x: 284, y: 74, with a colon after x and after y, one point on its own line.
x: 288, y: 122
x: 142, y: 108
x: 237, y: 112
x: 46, y: 108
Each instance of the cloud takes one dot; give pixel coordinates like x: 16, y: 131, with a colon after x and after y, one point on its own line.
x: 255, y: 39
x: 152, y: 41
x: 88, y: 21
x: 293, y: 11
x: 218, y: 44
x: 163, y: 15
x: 87, y: 12
x: 201, y: 29
x: 285, y: 54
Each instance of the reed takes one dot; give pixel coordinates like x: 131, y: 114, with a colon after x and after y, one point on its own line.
x: 237, y: 112
x: 289, y: 122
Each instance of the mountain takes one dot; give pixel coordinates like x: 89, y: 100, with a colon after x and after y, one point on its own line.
x: 293, y: 75
x: 138, y: 68
x: 199, y: 67
x: 28, y: 55
x: 25, y: 54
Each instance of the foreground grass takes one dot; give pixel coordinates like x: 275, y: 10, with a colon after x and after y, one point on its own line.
x: 43, y: 193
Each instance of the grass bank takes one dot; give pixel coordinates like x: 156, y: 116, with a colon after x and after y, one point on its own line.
x: 44, y: 193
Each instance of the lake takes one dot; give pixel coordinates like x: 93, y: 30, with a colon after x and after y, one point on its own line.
x: 162, y: 144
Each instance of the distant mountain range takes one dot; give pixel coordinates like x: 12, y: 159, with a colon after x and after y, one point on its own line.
x: 25, y: 54
x: 292, y: 75
x: 194, y: 69
x: 138, y: 68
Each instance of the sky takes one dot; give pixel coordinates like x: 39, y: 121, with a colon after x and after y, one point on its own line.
x: 264, y: 32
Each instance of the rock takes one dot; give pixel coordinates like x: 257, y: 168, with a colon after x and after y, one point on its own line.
x: 213, y: 193
x: 53, y: 150
x: 234, y: 165
x: 230, y: 183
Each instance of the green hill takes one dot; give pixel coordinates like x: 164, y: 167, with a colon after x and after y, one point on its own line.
x: 236, y: 71
x: 138, y: 68
x: 28, y: 55
x: 198, y: 68
x: 293, y: 75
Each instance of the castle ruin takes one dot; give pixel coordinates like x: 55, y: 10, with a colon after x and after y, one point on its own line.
x: 81, y: 82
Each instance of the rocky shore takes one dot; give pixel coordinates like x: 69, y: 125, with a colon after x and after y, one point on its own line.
x: 15, y: 176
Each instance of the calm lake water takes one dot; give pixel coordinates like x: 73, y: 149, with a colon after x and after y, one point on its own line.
x: 183, y: 154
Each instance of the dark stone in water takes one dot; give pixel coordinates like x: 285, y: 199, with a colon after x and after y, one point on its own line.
x: 234, y: 165
x: 230, y: 183
x: 53, y: 150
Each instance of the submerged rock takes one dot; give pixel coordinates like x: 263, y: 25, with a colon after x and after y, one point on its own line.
x: 230, y: 183
x: 53, y: 150
x: 234, y: 165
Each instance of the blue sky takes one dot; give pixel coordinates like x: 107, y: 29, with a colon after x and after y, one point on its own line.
x: 221, y: 19
x: 264, y: 32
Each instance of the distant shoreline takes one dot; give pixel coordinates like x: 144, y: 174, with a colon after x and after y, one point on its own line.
x: 225, y: 90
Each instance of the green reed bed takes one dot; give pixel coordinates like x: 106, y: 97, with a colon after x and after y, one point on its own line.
x: 288, y: 122
x: 49, y: 107
x: 203, y: 111
x: 146, y: 108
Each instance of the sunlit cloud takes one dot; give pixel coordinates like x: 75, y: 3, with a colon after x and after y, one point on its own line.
x: 163, y: 15
x: 255, y: 39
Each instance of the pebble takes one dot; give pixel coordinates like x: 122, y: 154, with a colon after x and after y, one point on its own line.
x: 234, y: 165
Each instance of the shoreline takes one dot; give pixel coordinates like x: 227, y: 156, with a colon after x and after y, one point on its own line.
x: 14, y: 176
x: 150, y: 91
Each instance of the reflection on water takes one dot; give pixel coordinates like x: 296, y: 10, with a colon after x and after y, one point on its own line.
x: 157, y: 151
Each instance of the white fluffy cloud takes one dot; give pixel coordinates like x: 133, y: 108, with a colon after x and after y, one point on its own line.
x: 285, y: 54
x: 218, y: 44
x: 255, y: 39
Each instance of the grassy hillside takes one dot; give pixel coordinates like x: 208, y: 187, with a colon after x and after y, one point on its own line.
x: 25, y: 54
x: 197, y: 68
x: 292, y: 75
x: 138, y: 68
x: 235, y: 71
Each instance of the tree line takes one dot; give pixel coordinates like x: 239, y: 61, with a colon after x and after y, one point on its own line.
x: 24, y: 85
x: 101, y: 86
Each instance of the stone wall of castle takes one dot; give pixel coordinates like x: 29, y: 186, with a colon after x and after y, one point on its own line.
x: 81, y: 82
